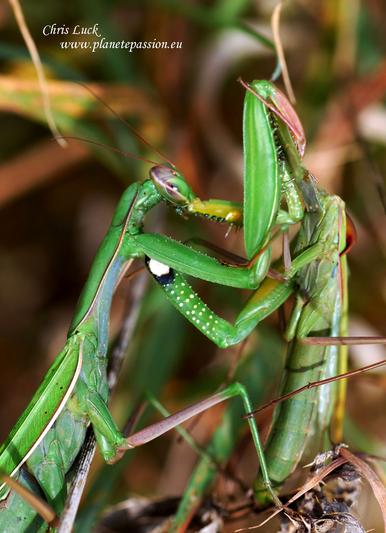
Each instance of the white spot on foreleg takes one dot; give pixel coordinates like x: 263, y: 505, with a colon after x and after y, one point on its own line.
x: 158, y: 269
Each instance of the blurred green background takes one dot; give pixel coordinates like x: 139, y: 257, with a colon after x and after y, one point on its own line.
x: 56, y: 204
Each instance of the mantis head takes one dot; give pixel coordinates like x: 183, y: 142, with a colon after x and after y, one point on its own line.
x: 171, y: 185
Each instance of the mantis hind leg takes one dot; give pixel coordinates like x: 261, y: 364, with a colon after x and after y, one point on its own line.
x: 107, y: 434
x: 157, y: 429
x: 113, y: 444
x: 51, y: 460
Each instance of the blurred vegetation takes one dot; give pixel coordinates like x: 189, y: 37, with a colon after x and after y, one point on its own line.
x: 56, y: 204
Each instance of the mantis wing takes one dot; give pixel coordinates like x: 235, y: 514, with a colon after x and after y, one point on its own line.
x: 43, y: 409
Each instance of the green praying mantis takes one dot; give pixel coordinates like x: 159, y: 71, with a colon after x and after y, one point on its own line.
x: 317, y: 333
x: 46, y: 439
x: 319, y: 313
x: 320, y: 309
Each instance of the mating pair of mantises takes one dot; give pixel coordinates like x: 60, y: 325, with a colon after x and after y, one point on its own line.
x: 278, y: 192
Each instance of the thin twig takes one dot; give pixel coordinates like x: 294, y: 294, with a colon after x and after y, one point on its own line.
x: 41, y: 506
x: 319, y: 383
x: 275, y: 21
x: 31, y: 46
x: 373, y: 166
x: 78, y: 483
x: 127, y: 330
x: 305, y: 488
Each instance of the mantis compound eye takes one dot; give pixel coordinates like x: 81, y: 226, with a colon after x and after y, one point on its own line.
x: 171, y: 185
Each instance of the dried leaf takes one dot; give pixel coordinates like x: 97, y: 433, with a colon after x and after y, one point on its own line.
x: 368, y: 473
